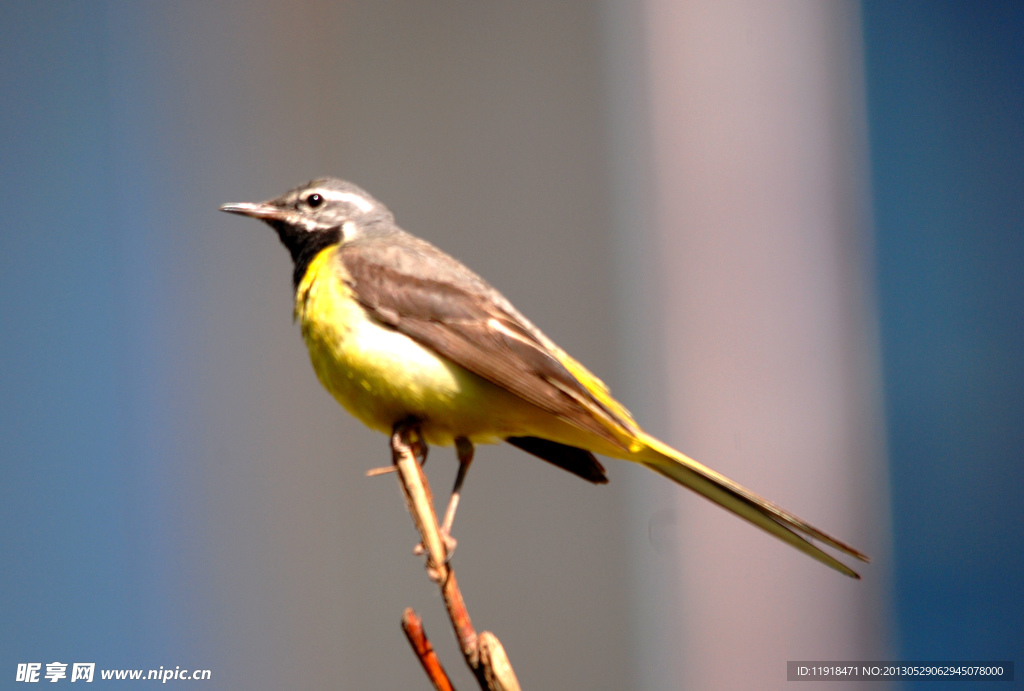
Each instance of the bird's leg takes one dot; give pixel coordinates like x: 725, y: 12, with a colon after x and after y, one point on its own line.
x: 464, y: 450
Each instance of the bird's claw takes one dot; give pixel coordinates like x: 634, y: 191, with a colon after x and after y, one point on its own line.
x: 449, y: 543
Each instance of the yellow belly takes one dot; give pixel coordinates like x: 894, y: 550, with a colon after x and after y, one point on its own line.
x: 382, y: 376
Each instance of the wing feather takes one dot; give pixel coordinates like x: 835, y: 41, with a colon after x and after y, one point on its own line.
x: 422, y: 292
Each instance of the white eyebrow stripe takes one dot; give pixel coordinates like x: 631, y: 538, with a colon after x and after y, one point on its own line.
x: 363, y: 203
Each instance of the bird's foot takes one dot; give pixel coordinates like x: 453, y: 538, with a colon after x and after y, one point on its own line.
x: 448, y: 542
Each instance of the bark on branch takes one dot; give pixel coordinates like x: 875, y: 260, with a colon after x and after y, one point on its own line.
x: 483, y: 653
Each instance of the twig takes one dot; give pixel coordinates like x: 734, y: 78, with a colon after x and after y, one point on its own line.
x: 497, y: 668
x: 491, y: 669
x: 413, y: 627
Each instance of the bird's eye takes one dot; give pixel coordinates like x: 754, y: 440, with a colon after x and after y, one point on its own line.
x: 314, y: 200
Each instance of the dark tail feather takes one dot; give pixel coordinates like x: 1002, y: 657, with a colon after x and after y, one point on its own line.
x: 576, y: 461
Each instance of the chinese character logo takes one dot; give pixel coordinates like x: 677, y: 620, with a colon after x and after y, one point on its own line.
x: 82, y: 671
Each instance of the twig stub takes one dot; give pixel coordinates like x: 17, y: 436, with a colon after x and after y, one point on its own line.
x: 413, y: 627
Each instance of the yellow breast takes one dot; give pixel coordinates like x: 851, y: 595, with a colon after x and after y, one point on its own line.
x: 382, y: 376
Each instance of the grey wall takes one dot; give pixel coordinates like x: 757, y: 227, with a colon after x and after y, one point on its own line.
x: 762, y: 224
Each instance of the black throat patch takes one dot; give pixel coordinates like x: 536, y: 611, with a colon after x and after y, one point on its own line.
x: 304, y: 246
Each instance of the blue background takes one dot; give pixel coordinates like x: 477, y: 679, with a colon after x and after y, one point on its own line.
x: 946, y: 113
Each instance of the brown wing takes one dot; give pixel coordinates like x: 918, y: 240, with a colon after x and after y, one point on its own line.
x: 415, y: 288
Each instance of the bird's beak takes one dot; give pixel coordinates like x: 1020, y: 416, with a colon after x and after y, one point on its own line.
x: 262, y: 210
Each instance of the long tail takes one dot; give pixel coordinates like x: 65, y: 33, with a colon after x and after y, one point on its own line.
x: 665, y: 460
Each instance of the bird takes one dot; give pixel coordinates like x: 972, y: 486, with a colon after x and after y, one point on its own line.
x: 398, y: 331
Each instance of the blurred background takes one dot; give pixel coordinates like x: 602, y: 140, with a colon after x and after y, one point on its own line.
x: 788, y: 235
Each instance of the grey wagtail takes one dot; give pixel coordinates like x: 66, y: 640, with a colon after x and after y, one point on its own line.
x: 397, y: 330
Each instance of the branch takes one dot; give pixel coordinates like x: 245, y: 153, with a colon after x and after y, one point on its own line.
x: 413, y: 627
x: 484, y: 654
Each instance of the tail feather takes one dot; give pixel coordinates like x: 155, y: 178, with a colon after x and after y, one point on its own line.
x: 667, y: 461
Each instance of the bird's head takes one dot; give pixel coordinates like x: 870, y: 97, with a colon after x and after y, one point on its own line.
x: 314, y: 215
